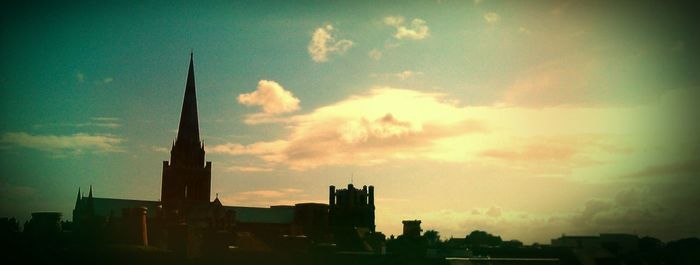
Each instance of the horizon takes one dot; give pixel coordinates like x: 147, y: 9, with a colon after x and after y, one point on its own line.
x: 524, y: 120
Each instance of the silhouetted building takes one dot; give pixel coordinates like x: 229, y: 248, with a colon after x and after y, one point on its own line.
x: 186, y: 178
x: 312, y: 219
x: 187, y: 222
x: 351, y: 207
x: 411, y: 228
x: 134, y: 227
x: 410, y: 243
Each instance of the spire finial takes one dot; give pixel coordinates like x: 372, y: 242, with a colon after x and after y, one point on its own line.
x: 90, y: 194
x: 217, y: 195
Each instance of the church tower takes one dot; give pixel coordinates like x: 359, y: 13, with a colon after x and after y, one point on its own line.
x: 186, y: 178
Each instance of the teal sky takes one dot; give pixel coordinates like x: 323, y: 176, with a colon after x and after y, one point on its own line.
x: 526, y: 119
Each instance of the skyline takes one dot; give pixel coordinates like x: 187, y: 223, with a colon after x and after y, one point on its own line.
x: 526, y: 121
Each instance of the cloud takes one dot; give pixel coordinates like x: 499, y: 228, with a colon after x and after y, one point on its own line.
x: 689, y: 168
x: 403, y: 75
x: 494, y: 211
x: 267, y: 151
x: 407, y: 74
x: 391, y: 124
x: 375, y: 54
x: 567, y: 81
x: 492, y: 18
x: 556, y: 154
x: 270, y: 193
x: 107, y: 80
x: 539, y: 151
x: 267, y: 197
x: 273, y: 99
x: 385, y: 124
x: 100, y: 122
x: 111, y: 119
x: 247, y: 169
x: 323, y: 43
x: 417, y: 30
x: 158, y: 149
x: 509, y: 224
x: 633, y: 210
x: 62, y: 144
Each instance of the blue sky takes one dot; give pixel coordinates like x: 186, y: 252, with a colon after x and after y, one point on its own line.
x: 523, y: 119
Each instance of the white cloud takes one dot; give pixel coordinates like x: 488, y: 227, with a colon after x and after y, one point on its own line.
x: 368, y: 129
x: 324, y: 43
x: 388, y: 124
x: 61, y: 144
x: 417, y: 30
x: 107, y: 80
x: 403, y: 75
x: 492, y: 18
x: 112, y: 119
x: 407, y: 74
x: 273, y: 99
x: 159, y: 149
x: 375, y: 54
x: 268, y: 151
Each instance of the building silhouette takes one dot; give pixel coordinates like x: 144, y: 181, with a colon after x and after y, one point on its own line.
x: 187, y: 222
x: 411, y: 228
x: 352, y: 207
x: 186, y: 178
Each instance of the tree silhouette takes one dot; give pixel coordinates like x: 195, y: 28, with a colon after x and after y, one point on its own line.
x: 482, y: 238
x: 432, y: 236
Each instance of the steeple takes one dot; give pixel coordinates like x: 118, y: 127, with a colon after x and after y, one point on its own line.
x: 90, y: 204
x: 188, y: 132
x: 77, y: 200
x: 187, y: 177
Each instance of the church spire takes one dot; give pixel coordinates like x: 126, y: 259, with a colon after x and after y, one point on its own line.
x: 188, y: 132
x: 77, y: 200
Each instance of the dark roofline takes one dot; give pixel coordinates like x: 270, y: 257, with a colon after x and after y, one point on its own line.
x: 252, y: 207
x: 131, y: 200
x: 578, y: 237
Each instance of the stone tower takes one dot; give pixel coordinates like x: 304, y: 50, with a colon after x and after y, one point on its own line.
x: 186, y: 178
x: 351, y: 207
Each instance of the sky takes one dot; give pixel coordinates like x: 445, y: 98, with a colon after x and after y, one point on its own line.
x: 526, y: 119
